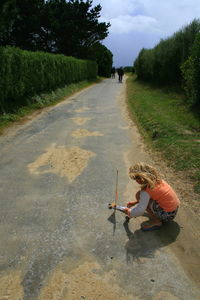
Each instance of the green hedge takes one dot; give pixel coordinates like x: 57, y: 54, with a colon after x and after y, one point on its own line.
x: 191, y: 75
x: 161, y: 64
x: 128, y: 69
x: 24, y: 74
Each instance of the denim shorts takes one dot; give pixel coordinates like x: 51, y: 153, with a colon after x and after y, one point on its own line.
x: 162, y: 214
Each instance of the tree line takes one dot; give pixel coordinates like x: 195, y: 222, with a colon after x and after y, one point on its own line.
x: 174, y: 61
x: 64, y: 27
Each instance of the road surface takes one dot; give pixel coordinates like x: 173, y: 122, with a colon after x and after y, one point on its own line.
x: 58, y: 239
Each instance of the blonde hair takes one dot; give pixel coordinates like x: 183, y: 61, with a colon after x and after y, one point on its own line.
x: 148, y: 175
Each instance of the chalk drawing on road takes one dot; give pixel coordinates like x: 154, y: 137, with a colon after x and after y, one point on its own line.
x: 65, y: 162
x: 80, y: 133
x: 80, y: 121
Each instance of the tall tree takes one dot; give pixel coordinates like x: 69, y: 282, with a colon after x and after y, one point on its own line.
x: 73, y: 26
x: 104, y: 58
x: 20, y: 23
x: 58, y: 26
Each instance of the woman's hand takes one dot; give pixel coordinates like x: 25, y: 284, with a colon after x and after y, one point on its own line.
x: 131, y: 203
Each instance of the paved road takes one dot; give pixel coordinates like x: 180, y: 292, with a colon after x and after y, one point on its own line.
x: 58, y: 239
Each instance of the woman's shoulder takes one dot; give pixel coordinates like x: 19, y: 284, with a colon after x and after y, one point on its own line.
x: 161, y: 183
x: 158, y: 185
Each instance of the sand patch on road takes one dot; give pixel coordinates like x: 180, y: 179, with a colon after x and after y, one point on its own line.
x: 84, y: 282
x: 82, y: 109
x: 80, y: 121
x: 164, y: 295
x: 65, y: 162
x: 80, y: 133
x: 10, y: 286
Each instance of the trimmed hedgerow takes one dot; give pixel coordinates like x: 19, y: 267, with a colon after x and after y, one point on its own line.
x: 191, y: 75
x: 24, y: 74
x: 161, y: 64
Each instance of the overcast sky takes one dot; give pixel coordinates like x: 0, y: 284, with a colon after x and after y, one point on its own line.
x: 137, y: 24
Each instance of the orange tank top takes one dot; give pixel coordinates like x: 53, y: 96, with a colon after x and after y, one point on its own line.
x: 164, y: 195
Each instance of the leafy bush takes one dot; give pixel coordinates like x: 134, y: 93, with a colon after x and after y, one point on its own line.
x: 191, y: 74
x: 129, y: 69
x: 161, y: 65
x: 24, y: 74
x: 104, y: 58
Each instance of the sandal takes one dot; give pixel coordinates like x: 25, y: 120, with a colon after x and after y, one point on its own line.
x: 151, y: 227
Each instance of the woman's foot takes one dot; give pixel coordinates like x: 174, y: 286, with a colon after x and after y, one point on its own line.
x: 150, y: 226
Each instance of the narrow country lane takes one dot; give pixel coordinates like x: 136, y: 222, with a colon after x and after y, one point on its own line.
x: 58, y: 239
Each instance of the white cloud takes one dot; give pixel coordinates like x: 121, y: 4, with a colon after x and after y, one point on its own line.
x: 126, y: 24
x: 142, y: 23
x: 114, y: 8
x: 172, y: 15
x: 163, y: 16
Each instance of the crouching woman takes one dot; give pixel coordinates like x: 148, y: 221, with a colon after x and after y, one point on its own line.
x: 156, y: 197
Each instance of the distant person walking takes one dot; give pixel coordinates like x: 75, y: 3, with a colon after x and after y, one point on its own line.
x: 120, y: 73
x: 113, y: 72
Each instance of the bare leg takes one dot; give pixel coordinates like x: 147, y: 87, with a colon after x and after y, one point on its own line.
x: 154, y: 221
x: 153, y: 218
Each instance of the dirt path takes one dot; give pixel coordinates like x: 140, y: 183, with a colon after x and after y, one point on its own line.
x: 58, y: 240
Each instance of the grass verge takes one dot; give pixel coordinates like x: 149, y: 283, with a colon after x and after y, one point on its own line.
x: 168, y: 126
x: 44, y: 100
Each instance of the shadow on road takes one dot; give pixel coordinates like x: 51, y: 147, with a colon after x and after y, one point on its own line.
x: 112, y: 219
x: 144, y: 244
